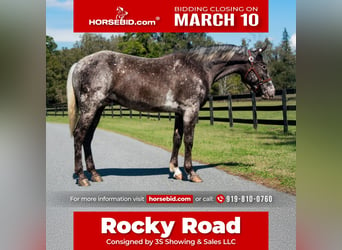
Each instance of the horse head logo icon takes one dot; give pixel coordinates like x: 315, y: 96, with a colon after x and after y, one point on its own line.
x: 121, y: 13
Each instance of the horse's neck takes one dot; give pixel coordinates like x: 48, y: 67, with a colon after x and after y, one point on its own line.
x: 216, y: 71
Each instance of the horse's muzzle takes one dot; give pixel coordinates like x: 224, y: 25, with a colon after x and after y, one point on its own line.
x: 268, y: 90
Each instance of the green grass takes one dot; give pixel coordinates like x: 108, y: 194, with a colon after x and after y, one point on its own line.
x: 265, y: 155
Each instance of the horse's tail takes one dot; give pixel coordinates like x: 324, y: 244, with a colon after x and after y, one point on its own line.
x: 72, y: 105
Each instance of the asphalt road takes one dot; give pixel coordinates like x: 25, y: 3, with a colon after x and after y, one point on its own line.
x: 128, y: 165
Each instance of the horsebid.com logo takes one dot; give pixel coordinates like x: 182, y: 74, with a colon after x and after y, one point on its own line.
x: 121, y: 14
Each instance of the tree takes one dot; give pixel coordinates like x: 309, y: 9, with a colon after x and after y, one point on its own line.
x: 230, y: 84
x: 91, y: 43
x: 171, y: 42
x: 159, y: 44
x: 53, y: 69
x: 199, y: 39
x: 139, y: 44
x: 283, y: 65
x: 51, y: 46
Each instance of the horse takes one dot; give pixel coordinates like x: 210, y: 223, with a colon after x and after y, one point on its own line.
x: 121, y: 13
x: 179, y: 82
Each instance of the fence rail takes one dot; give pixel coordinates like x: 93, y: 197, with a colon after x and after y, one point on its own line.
x: 116, y: 110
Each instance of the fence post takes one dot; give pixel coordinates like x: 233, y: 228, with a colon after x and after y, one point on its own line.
x: 130, y: 113
x: 139, y: 114
x: 55, y: 110
x: 283, y: 100
x: 230, y: 111
x: 112, y: 109
x: 255, y: 118
x: 211, y: 110
x: 62, y: 111
x: 169, y: 116
x: 120, y: 111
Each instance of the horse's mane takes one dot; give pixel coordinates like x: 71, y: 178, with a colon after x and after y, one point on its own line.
x: 223, y: 52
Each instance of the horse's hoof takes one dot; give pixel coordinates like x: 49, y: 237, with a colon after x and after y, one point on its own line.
x: 178, y: 176
x: 96, y: 178
x: 83, y: 182
x: 195, y: 178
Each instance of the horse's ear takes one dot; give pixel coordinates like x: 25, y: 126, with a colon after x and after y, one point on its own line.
x: 263, y: 48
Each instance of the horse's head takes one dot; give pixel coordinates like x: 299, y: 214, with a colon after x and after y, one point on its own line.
x: 121, y: 10
x: 256, y: 75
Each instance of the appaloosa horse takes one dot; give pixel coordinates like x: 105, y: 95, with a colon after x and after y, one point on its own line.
x: 179, y: 83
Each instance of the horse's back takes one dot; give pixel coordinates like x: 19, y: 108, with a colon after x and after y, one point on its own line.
x: 145, y: 84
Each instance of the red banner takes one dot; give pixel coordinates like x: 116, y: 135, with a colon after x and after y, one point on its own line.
x: 147, y: 230
x: 171, y: 16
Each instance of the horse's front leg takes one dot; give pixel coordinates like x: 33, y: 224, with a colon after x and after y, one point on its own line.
x: 190, y: 119
x: 177, y: 141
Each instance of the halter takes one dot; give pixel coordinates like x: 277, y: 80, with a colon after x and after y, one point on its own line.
x: 251, y: 68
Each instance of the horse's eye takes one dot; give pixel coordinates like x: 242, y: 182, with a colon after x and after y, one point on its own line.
x: 264, y: 67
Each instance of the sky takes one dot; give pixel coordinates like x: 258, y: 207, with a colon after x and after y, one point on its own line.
x: 282, y: 14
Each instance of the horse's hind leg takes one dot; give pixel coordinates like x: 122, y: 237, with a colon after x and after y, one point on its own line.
x: 80, y: 133
x: 95, y: 176
x: 177, y: 141
x: 190, y: 119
